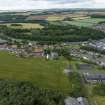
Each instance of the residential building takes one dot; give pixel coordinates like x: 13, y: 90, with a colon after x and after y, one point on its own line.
x: 94, y: 78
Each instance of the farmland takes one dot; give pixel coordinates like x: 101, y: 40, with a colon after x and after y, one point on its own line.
x: 43, y: 73
x: 86, y: 22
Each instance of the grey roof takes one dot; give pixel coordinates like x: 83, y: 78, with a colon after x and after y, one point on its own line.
x: 95, y: 77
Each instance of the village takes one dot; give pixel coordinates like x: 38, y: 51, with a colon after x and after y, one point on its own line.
x: 32, y: 49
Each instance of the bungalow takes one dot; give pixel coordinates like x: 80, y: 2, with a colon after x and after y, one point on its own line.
x: 12, y: 48
x: 94, y: 78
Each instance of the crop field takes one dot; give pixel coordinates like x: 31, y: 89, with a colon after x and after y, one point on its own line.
x: 25, y: 25
x: 43, y: 73
x: 59, y: 17
x: 55, y: 18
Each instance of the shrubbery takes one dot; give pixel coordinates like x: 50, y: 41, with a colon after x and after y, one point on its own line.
x: 77, y: 87
x: 24, y: 93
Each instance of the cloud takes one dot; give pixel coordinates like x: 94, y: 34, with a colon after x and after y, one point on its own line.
x: 46, y: 4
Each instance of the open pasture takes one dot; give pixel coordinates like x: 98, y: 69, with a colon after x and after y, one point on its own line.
x: 43, y: 73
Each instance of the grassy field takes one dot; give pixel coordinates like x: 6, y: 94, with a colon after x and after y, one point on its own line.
x: 99, y: 100
x: 43, y: 73
x: 25, y: 25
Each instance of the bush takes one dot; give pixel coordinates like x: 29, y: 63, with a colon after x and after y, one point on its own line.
x: 99, y: 89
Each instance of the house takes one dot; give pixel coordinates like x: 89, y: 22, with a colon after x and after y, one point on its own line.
x: 94, y: 78
x: 38, y: 51
x: 76, y: 101
x: 3, y: 44
x: 14, y: 46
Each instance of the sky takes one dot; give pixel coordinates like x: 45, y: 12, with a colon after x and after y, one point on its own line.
x: 48, y: 4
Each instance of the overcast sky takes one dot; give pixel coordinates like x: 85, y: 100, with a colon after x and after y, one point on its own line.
x: 46, y: 4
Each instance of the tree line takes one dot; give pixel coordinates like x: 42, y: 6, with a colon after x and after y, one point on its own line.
x: 54, y: 33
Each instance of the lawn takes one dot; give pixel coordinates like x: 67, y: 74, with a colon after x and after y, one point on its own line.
x: 44, y: 73
x: 25, y: 25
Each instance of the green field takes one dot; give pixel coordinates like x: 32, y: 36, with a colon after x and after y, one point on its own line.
x: 85, y: 22
x: 44, y: 73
